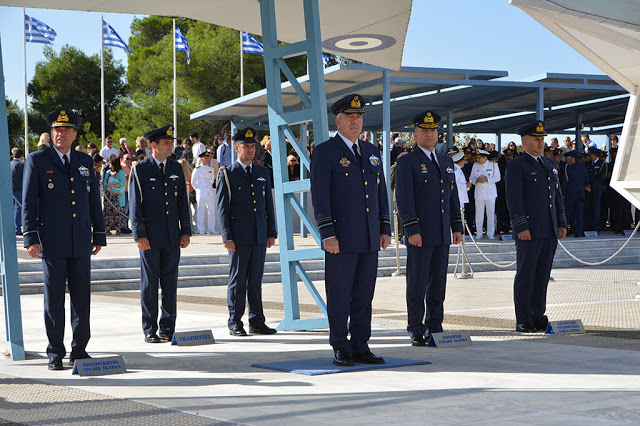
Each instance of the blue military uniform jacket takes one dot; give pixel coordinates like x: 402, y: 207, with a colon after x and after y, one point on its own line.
x: 17, y: 173
x: 427, y: 204
x: 574, y: 180
x: 159, y: 208
x: 534, y: 198
x: 62, y: 212
x: 597, y: 173
x: 248, y: 218
x: 349, y: 199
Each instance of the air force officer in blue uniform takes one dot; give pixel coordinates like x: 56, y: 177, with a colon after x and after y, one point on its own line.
x: 161, y: 225
x: 352, y: 212
x: 429, y: 208
x: 247, y: 221
x: 538, y: 220
x: 63, y: 224
x: 574, y: 180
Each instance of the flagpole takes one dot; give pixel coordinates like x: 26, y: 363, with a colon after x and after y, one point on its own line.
x: 241, y: 68
x: 102, y: 77
x: 175, y: 112
x: 26, y: 107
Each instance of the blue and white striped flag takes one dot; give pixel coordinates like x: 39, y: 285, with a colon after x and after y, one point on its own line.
x: 111, y: 38
x: 251, y: 45
x: 325, y: 60
x: 182, y: 44
x: 37, y: 31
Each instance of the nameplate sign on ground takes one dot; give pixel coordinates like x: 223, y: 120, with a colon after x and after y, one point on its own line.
x: 193, y: 338
x: 450, y: 339
x: 628, y: 232
x: 467, y: 239
x: 565, y: 327
x: 591, y: 234
x: 99, y: 366
x: 506, y: 237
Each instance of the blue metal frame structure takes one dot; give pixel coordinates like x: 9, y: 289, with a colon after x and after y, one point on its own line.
x: 315, y: 110
x: 8, y: 251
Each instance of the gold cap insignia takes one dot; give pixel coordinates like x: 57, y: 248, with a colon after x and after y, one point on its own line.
x: 428, y: 118
x: 63, y: 116
x: 355, y: 102
x: 540, y: 127
x: 248, y: 134
x: 170, y: 131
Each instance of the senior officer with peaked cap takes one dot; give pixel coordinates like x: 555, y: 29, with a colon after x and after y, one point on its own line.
x: 351, y: 207
x: 63, y: 224
x: 538, y: 220
x: 248, y: 225
x: 161, y: 224
x: 429, y: 208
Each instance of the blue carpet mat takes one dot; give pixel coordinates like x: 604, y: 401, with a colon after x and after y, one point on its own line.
x: 318, y: 366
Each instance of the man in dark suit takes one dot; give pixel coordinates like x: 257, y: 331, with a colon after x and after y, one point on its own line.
x: 161, y: 224
x: 598, y: 170
x: 429, y: 209
x: 351, y: 207
x: 247, y: 222
x: 538, y: 221
x: 61, y: 205
x: 17, y: 174
x: 573, y: 181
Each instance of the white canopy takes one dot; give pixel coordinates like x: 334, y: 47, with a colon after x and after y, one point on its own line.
x: 371, y: 31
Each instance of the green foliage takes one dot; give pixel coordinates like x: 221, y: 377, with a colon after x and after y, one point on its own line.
x: 72, y: 79
x: 15, y: 121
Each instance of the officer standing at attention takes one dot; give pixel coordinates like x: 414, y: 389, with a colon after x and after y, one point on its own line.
x: 61, y: 205
x: 248, y: 225
x: 351, y: 207
x: 429, y: 208
x: 161, y: 224
x: 598, y: 170
x: 573, y: 181
x: 531, y: 185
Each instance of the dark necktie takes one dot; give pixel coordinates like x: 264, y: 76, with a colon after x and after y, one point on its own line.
x: 67, y: 166
x: 435, y: 164
x: 356, y: 151
x: 248, y: 170
x: 541, y: 162
x: 161, y: 165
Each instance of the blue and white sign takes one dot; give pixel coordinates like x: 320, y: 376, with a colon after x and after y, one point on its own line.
x: 565, y: 327
x: 193, y: 338
x: 99, y: 366
x: 449, y: 339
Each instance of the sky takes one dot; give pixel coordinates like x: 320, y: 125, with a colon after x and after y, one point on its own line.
x: 470, y: 34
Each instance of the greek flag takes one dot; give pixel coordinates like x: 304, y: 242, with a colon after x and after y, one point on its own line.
x: 251, y: 45
x: 37, y: 31
x: 111, y: 37
x: 181, y: 44
x: 325, y: 60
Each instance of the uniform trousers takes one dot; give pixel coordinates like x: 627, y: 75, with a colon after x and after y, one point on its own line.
x: 159, y: 267
x: 206, y: 210
x: 574, y: 210
x: 76, y: 273
x: 426, y: 286
x: 594, y: 199
x: 17, y: 211
x: 245, y: 283
x: 350, y: 280
x: 534, y: 259
x: 488, y: 207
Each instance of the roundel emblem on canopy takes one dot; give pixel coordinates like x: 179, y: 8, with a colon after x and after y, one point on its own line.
x: 359, y: 43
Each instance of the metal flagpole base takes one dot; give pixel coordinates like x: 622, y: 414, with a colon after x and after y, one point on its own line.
x: 397, y: 273
x: 463, y: 275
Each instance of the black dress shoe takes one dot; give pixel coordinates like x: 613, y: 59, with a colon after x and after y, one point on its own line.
x: 418, y: 341
x: 342, y: 359
x: 73, y: 358
x: 368, y: 358
x: 526, y: 327
x: 55, y: 363
x: 166, y: 336
x: 238, y: 331
x: 541, y: 324
x: 262, y: 329
x: 151, y: 338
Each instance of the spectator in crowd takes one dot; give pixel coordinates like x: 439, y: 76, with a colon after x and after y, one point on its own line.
x: 124, y: 148
x: 98, y: 162
x: 108, y: 149
x: 80, y: 148
x: 92, y: 148
x: 115, y: 218
x: 566, y: 146
x: 224, y: 153
x: 217, y: 141
x: 614, y: 141
x: 573, y: 182
x: 293, y: 167
x: 44, y: 142
x: 197, y: 147
x: 268, y: 158
x: 485, y: 175
x: 126, y: 161
x: 142, y: 145
x: 553, y: 143
x: 184, y: 151
x: 479, y: 144
x: 188, y: 172
x: 203, y: 179
x: 17, y: 173
x: 140, y: 155
x: 461, y: 180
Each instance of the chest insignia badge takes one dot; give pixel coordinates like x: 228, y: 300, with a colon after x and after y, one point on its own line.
x: 84, y: 172
x: 449, y: 170
x: 423, y: 167
x: 375, y: 161
x: 345, y: 162
x: 174, y: 177
x: 50, y: 186
x: 555, y: 171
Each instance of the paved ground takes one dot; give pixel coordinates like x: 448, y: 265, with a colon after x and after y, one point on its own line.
x: 501, y: 378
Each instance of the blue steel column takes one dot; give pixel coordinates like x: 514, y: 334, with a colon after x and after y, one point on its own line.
x: 304, y: 174
x: 316, y: 111
x: 8, y: 251
x: 386, y: 133
x: 234, y: 155
x: 449, y: 129
x: 540, y: 103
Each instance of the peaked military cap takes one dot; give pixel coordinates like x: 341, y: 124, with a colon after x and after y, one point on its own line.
x: 482, y: 153
x: 426, y: 120
x: 574, y: 153
x: 350, y: 104
x: 508, y: 151
x: 494, y: 154
x: 204, y: 154
x: 457, y: 156
x: 535, y: 128
x: 468, y: 149
x: 594, y: 150
x: 547, y: 148
x: 63, y: 117
x: 452, y: 150
x: 165, y: 132
x: 557, y: 152
x: 246, y: 135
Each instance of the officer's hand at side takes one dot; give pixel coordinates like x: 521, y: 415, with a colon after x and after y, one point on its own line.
x: 416, y: 240
x: 384, y: 241
x: 96, y: 250
x: 270, y: 242
x: 143, y: 243
x: 331, y: 245
x: 524, y: 235
x: 457, y: 237
x: 562, y: 232
x: 229, y: 245
x: 587, y: 188
x: 184, y: 241
x: 35, y: 251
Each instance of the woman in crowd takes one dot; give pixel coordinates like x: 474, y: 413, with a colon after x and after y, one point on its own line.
x: 126, y: 161
x: 484, y: 175
x: 115, y: 181
x: 187, y: 170
x: 294, y: 168
x: 217, y: 141
x: 124, y: 148
x: 142, y: 145
x: 479, y: 144
x: 44, y: 142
